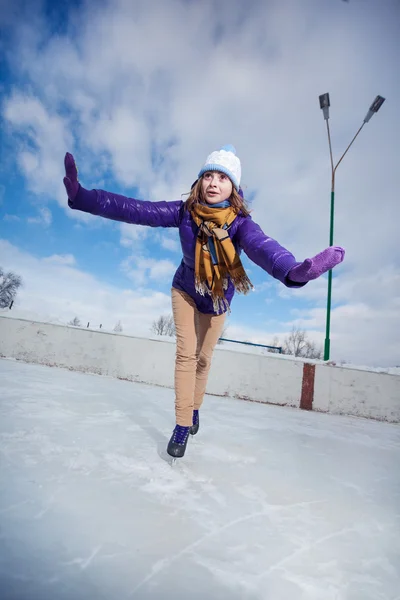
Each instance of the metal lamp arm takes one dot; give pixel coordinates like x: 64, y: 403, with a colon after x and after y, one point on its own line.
x: 343, y: 155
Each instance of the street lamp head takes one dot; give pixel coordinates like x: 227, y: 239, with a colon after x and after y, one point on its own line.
x: 375, y: 106
x: 324, y: 100
x: 325, y: 103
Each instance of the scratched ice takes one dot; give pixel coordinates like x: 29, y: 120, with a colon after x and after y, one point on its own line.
x: 269, y: 503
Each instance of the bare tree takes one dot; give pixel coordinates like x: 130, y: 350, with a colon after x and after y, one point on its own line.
x: 9, y: 286
x: 298, y: 344
x: 275, y: 343
x: 312, y: 350
x: 164, y: 325
x: 295, y: 342
x: 118, y: 327
x: 75, y: 322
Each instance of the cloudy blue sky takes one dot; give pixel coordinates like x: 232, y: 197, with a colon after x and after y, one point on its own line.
x: 140, y: 91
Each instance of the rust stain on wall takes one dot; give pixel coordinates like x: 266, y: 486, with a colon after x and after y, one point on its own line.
x: 307, y: 387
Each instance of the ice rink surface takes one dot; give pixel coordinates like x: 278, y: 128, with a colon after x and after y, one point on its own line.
x: 269, y: 503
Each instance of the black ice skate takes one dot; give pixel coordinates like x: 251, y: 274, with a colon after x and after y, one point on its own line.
x: 196, y: 423
x: 177, y: 443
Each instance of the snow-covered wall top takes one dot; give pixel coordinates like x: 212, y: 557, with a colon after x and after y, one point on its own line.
x: 257, y: 377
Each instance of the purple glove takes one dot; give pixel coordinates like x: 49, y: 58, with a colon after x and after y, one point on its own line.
x: 71, y: 176
x: 312, y: 268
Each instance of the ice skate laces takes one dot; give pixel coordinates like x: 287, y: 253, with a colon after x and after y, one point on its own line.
x: 180, y: 434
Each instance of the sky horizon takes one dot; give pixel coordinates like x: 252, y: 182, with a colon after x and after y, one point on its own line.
x: 141, y: 93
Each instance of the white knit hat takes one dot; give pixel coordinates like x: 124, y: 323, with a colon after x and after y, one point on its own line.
x: 226, y: 161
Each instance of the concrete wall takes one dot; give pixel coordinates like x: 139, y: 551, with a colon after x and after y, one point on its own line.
x: 260, y: 378
x: 361, y: 393
x: 136, y: 359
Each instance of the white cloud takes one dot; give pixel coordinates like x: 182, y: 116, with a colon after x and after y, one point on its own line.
x: 160, y: 269
x: 11, y: 218
x: 61, y: 259
x: 132, y: 234
x: 359, y: 332
x: 364, y: 317
x: 44, y: 138
x: 54, y: 289
x: 170, y: 244
x: 45, y: 217
x: 264, y: 286
x: 140, y: 270
x: 176, y: 80
x: 124, y: 136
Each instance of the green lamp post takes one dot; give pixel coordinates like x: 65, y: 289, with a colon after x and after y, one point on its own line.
x: 324, y: 103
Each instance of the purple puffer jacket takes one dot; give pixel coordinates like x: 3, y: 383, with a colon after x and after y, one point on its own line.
x: 245, y: 234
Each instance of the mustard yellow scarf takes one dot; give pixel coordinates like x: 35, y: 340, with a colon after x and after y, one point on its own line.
x: 216, y: 257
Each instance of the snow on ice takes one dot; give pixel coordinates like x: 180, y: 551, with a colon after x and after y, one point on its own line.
x: 268, y: 503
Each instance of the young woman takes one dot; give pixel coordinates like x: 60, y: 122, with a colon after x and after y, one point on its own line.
x: 214, y: 226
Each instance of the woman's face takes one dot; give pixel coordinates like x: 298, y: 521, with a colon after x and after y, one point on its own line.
x: 216, y: 187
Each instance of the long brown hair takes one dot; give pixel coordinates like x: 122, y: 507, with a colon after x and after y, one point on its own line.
x: 196, y: 196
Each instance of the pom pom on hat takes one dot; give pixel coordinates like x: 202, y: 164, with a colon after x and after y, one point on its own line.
x: 225, y: 161
x: 229, y: 148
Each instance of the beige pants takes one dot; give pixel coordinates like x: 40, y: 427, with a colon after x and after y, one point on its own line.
x: 196, y: 336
